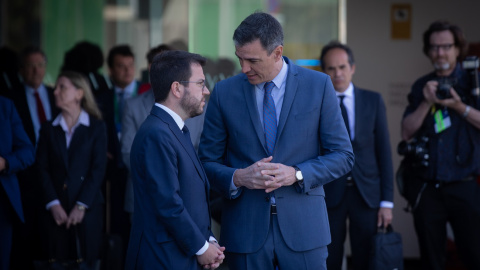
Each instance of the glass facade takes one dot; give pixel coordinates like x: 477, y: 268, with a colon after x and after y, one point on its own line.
x: 201, y: 26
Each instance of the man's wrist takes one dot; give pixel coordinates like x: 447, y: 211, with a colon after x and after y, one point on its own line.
x: 467, y: 111
x: 298, y: 174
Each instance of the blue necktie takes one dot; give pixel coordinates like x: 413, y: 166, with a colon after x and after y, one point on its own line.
x: 186, y: 133
x: 269, y: 117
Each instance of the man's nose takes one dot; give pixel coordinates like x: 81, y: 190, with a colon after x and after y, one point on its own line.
x: 338, y: 72
x: 245, y: 68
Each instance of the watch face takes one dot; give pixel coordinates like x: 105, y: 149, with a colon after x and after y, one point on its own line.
x: 299, y: 175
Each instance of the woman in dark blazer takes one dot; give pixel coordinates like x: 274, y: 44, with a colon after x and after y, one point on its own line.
x: 71, y: 157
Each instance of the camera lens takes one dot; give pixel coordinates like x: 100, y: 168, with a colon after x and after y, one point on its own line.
x: 443, y: 91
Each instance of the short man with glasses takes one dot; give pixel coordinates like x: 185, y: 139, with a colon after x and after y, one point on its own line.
x: 443, y: 109
x: 171, y: 226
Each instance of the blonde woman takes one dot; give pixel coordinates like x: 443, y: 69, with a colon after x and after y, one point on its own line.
x: 71, y: 157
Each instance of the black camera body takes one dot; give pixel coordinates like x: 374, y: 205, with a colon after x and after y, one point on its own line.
x: 443, y: 88
x: 416, y: 151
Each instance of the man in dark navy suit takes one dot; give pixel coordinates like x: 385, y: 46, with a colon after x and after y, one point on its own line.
x: 364, y: 196
x: 171, y: 223
x: 16, y: 153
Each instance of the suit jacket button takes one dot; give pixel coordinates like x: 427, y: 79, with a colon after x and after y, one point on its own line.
x: 267, y: 199
x: 64, y: 186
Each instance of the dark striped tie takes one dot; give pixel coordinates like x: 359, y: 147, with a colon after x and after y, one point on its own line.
x: 269, y: 117
x: 344, y: 114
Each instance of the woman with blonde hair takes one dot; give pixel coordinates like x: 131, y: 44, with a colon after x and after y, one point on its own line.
x: 71, y: 158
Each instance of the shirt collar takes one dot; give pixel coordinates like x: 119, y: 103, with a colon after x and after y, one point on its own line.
x: 347, y: 93
x: 83, y: 119
x: 178, y: 120
x: 31, y: 90
x: 280, y: 78
x: 128, y: 90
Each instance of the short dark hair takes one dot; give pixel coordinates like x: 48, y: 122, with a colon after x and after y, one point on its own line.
x: 262, y: 26
x: 439, y: 26
x: 123, y: 50
x: 336, y: 45
x: 156, y: 50
x: 29, y: 51
x: 169, y: 67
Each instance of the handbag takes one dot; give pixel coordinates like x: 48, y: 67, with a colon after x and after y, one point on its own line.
x: 78, y: 264
x: 387, y: 250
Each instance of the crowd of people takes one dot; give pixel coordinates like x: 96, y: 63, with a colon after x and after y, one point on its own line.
x: 297, y: 158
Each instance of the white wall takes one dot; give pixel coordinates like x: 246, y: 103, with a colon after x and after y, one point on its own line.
x: 391, y: 66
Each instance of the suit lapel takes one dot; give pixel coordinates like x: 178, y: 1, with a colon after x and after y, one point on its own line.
x: 187, y: 145
x: 291, y: 87
x: 251, y: 101
x: 79, y: 136
x: 358, y: 100
x: 61, y: 143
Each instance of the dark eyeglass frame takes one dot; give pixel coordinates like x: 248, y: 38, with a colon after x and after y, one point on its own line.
x: 444, y: 47
x: 201, y: 83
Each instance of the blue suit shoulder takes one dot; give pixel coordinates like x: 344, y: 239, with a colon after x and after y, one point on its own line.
x: 369, y: 94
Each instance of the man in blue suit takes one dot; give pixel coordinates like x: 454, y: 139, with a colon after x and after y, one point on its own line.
x: 171, y: 223
x: 365, y: 196
x: 16, y: 154
x: 270, y: 155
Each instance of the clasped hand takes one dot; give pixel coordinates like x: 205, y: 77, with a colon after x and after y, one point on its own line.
x: 264, y: 174
x: 213, y: 257
x: 60, y: 216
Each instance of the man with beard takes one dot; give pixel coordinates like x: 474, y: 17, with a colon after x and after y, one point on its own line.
x: 171, y: 223
x: 443, y: 109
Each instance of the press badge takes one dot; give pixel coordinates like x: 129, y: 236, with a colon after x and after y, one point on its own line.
x: 442, y: 120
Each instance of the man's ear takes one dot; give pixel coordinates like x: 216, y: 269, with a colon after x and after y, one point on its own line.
x: 176, y: 89
x: 278, y: 52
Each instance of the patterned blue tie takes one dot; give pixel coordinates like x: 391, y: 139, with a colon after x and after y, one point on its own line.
x: 269, y: 117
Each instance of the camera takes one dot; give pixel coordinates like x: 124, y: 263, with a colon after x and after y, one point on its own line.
x: 417, y: 150
x: 443, y: 88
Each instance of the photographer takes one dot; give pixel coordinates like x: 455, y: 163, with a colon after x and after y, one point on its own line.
x: 443, y: 108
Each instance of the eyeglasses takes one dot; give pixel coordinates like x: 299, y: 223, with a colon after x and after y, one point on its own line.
x: 36, y: 65
x: 444, y: 47
x: 200, y: 83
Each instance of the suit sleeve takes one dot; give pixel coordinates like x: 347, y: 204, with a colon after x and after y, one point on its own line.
x: 383, y: 152
x: 98, y: 162
x: 22, y: 154
x: 336, y: 156
x: 212, y: 149
x: 129, y: 129
x: 163, y: 189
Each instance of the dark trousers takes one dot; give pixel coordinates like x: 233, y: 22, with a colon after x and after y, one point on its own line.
x: 276, y: 253
x: 6, y: 221
x: 362, y: 227
x: 457, y: 203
